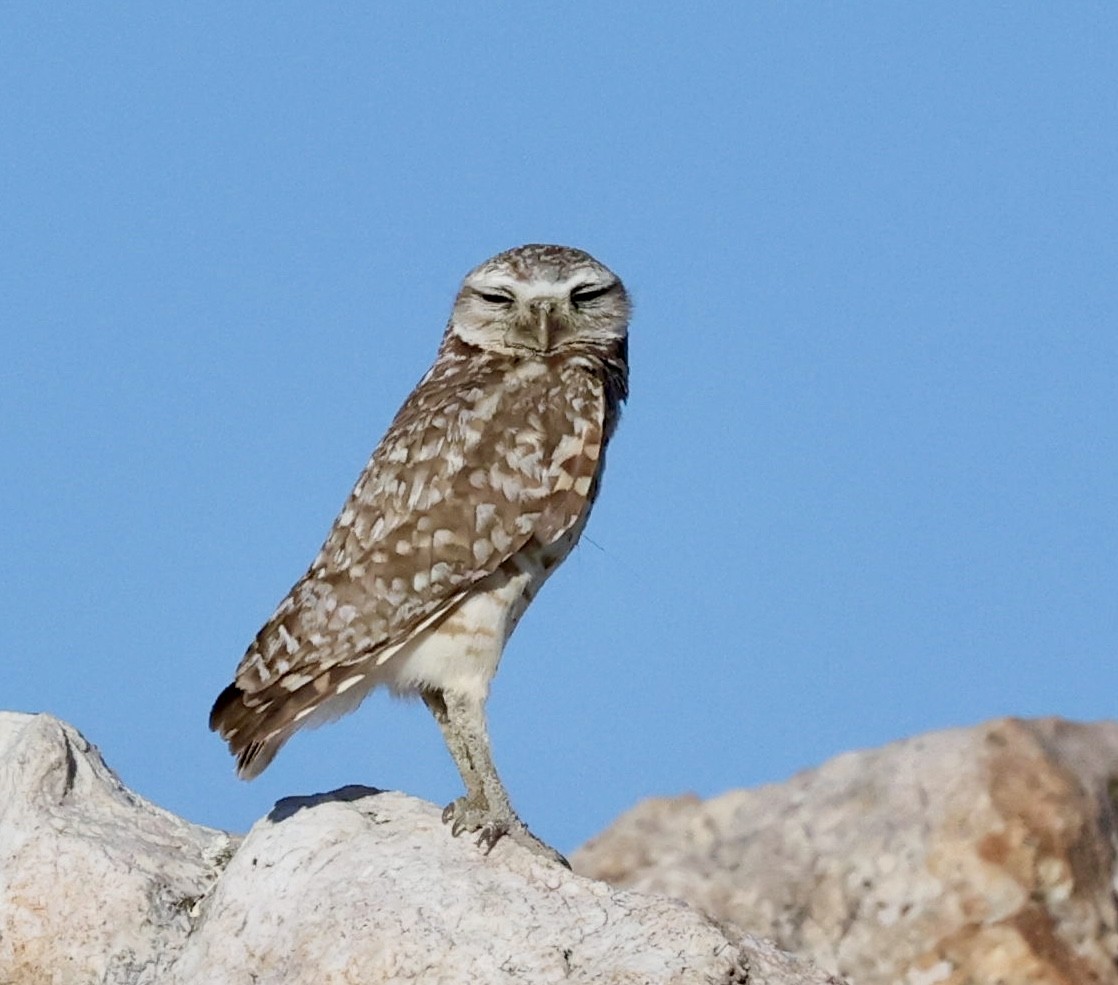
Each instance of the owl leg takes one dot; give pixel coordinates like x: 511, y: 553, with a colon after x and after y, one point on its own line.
x: 486, y: 808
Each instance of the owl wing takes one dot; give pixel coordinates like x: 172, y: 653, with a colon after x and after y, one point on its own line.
x: 469, y: 472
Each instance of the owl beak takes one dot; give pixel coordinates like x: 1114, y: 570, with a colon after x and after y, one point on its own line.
x: 541, y: 326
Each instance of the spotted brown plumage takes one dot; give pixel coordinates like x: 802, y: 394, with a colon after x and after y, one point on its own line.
x: 478, y: 491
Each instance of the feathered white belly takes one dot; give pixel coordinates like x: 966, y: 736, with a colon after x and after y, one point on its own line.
x: 461, y: 653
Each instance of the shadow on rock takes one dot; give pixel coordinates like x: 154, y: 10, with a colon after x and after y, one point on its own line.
x: 289, y: 806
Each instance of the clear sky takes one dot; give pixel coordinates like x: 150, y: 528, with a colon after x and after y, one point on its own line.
x: 867, y: 482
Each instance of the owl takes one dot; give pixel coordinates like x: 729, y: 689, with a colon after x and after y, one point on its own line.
x: 479, y: 490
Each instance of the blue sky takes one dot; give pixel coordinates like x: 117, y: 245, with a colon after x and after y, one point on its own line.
x: 867, y: 482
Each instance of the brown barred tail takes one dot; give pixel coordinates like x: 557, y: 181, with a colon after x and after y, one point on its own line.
x: 236, y: 722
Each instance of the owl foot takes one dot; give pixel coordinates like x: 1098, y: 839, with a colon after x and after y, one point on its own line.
x: 522, y: 836
x: 465, y: 816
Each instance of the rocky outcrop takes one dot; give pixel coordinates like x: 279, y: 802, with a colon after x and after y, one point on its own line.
x: 356, y: 886
x: 96, y: 884
x: 981, y: 856
x: 968, y: 857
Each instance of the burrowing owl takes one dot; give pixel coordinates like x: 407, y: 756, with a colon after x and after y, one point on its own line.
x: 478, y: 491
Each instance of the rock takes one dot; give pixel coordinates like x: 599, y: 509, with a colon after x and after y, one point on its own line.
x: 356, y: 886
x: 369, y: 886
x: 966, y: 857
x: 96, y: 884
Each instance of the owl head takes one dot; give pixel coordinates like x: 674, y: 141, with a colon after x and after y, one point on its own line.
x: 539, y: 300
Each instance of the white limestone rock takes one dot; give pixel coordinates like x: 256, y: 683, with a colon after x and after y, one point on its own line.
x: 980, y: 856
x: 366, y: 886
x: 355, y: 887
x: 96, y: 884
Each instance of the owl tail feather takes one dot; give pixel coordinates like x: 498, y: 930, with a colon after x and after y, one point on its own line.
x: 236, y: 722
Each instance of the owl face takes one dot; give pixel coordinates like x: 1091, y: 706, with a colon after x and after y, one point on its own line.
x: 537, y: 300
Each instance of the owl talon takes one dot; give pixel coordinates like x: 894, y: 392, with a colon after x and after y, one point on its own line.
x: 542, y: 849
x: 490, y: 834
x: 466, y: 817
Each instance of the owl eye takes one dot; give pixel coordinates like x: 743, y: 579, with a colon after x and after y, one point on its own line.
x: 490, y: 298
x: 584, y: 295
